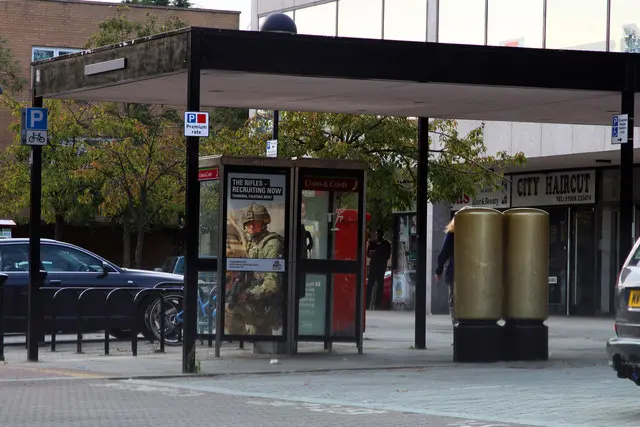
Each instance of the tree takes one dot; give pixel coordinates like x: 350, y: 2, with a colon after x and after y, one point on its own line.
x: 10, y: 79
x: 458, y: 164
x: 631, y: 39
x: 64, y: 153
x: 141, y: 172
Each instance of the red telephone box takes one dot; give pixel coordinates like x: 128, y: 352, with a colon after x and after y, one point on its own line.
x: 344, y: 285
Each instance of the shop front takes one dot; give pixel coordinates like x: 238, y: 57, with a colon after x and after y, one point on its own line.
x: 570, y: 199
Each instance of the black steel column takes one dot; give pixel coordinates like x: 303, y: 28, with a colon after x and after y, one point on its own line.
x: 276, y: 124
x: 626, y: 166
x: 34, y: 316
x: 192, y: 222
x: 421, y: 223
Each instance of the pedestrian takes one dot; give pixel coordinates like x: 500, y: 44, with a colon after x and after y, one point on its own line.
x: 445, y: 263
x: 379, y: 252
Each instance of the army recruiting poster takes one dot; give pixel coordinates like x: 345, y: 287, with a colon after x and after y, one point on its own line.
x: 255, y: 253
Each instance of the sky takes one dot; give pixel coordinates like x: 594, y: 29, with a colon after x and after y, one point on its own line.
x: 243, y: 6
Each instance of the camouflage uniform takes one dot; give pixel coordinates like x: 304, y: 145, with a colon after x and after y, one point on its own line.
x: 263, y: 308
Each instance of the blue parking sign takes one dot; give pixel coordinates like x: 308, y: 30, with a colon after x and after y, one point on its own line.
x: 34, y: 124
x: 37, y: 119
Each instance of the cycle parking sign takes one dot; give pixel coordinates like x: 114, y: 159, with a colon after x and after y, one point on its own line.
x: 34, y: 125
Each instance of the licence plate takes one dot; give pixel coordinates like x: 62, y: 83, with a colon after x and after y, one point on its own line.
x: 634, y: 299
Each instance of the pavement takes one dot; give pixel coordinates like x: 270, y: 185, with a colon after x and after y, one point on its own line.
x: 391, y: 384
x: 388, y: 344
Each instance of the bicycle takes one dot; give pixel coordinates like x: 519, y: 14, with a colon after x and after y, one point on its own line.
x: 174, y: 314
x: 37, y: 136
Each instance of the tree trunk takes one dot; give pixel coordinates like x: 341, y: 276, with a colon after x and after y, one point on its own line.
x: 59, y: 224
x: 139, y: 248
x: 126, y: 247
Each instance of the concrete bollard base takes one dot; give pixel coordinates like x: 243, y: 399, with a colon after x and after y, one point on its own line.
x: 479, y: 341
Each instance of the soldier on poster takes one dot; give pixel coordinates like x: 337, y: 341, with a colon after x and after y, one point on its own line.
x: 255, y: 282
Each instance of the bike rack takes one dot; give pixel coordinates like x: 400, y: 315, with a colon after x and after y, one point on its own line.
x: 108, y: 317
x: 79, y: 316
x: 110, y: 292
x: 54, y: 313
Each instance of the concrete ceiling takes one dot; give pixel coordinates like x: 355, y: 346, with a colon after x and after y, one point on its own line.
x: 394, y: 98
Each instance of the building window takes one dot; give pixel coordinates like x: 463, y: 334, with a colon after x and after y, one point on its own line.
x: 577, y: 24
x: 461, y: 21
x: 515, y: 23
x: 360, y: 18
x: 317, y: 20
x: 405, y: 20
x: 625, y: 26
x: 39, y: 53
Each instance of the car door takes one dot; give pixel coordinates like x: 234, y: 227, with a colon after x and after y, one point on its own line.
x: 14, y: 262
x: 69, y: 267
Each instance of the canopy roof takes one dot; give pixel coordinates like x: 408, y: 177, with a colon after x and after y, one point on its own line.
x: 250, y: 69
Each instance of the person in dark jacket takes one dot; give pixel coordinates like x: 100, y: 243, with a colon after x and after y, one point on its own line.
x: 379, y: 252
x: 445, y: 263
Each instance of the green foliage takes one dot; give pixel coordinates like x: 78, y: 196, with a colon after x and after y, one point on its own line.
x: 173, y: 3
x: 10, y: 79
x: 64, y: 154
x: 458, y: 164
x: 119, y: 28
x: 140, y: 170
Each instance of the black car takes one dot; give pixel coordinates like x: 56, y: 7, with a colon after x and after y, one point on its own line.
x: 69, y: 266
x: 624, y: 349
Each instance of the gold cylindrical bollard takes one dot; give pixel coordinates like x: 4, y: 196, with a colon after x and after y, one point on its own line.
x: 526, y: 294
x: 478, y: 265
x: 478, y: 277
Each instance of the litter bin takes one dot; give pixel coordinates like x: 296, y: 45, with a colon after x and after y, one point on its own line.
x: 526, y: 296
x: 478, y: 276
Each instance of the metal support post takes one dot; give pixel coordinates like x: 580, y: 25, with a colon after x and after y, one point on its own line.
x: 191, y: 228
x: 421, y: 223
x: 35, y: 319
x: 626, y: 166
x: 276, y: 124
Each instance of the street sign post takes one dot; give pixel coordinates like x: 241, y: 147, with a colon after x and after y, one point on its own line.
x: 272, y: 148
x: 34, y: 126
x: 196, y: 124
x: 619, y: 129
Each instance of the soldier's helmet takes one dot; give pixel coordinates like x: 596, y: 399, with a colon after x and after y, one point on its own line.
x: 256, y: 213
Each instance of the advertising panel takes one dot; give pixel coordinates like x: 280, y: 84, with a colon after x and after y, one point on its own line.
x: 255, y: 254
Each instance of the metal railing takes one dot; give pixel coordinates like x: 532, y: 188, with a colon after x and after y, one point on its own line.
x: 130, y: 315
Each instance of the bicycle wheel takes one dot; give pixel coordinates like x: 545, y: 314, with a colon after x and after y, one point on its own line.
x: 172, y: 326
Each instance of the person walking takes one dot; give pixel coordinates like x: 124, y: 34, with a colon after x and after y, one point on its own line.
x: 445, y: 263
x: 379, y: 252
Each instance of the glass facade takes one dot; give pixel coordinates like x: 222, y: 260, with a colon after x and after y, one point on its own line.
x: 624, y: 31
x: 567, y: 24
x: 515, y: 24
x: 462, y: 21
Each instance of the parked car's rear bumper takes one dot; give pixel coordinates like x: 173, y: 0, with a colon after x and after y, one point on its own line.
x: 624, y: 357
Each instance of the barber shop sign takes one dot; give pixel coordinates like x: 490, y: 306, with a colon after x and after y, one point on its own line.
x: 554, y: 188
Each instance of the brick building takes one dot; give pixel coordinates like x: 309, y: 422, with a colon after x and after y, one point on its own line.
x: 40, y: 29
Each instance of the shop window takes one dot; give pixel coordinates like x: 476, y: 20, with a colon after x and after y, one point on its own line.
x: 577, y: 24
x: 405, y: 20
x: 39, y: 53
x: 515, y: 23
x: 317, y: 20
x: 360, y: 18
x: 461, y: 21
x: 625, y: 26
